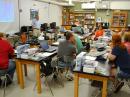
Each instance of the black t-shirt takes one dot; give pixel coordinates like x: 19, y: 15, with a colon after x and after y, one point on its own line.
x: 122, y: 59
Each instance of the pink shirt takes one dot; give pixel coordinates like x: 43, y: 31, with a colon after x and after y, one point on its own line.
x: 127, y: 44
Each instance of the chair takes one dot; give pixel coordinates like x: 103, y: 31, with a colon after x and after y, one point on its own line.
x: 65, y: 63
x: 3, y: 77
x: 124, y: 77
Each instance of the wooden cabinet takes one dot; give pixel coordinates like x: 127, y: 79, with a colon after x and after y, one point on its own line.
x: 89, y: 20
x: 84, y: 17
x: 65, y: 16
x: 119, y: 19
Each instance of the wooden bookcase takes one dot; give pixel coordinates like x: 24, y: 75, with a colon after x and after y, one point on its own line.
x: 119, y: 19
x: 85, y: 18
x: 89, y: 20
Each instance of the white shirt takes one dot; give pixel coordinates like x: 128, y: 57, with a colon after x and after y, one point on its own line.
x: 36, y: 24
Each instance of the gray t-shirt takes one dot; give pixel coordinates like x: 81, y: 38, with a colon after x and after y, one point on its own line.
x: 66, y: 49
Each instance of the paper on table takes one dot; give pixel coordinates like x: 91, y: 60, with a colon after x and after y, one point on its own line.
x: 45, y: 54
x: 90, y: 58
x: 56, y: 43
x: 15, y: 51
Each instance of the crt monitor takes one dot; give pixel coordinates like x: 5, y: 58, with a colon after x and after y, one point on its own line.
x: 105, y: 25
x: 78, y: 30
x: 53, y: 25
x: 44, y: 27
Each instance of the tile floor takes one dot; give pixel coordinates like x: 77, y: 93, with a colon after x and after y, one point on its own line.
x: 85, y: 90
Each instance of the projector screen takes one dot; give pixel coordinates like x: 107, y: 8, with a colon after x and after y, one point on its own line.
x: 6, y: 11
x: 9, y: 16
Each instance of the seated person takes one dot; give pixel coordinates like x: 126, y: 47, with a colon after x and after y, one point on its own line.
x: 78, y: 43
x: 77, y: 23
x: 127, y: 41
x: 23, y: 37
x: 99, y: 33
x: 67, y: 48
x: 6, y: 51
x: 86, y: 29
x: 121, y: 59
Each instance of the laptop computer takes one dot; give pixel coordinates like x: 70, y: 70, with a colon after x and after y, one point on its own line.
x: 44, y: 45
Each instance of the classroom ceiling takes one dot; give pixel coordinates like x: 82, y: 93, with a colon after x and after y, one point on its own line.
x: 76, y: 0
x: 86, y: 0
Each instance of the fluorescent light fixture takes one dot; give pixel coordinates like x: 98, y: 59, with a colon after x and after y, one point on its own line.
x: 70, y: 2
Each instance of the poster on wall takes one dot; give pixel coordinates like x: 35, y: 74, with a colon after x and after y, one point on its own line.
x: 33, y: 13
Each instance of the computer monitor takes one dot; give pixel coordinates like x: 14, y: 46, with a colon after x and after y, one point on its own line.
x: 44, y: 27
x: 105, y: 25
x: 78, y: 30
x: 53, y: 25
x: 44, y: 44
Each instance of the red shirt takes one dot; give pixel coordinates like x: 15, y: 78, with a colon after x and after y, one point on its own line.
x: 99, y: 33
x: 5, y: 50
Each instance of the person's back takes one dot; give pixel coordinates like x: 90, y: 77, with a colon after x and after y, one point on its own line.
x: 5, y: 50
x: 122, y: 59
x: 79, y: 44
x: 66, y: 49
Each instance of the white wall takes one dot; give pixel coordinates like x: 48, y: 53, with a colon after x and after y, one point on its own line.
x: 47, y: 14
x: 11, y: 27
x: 123, y: 5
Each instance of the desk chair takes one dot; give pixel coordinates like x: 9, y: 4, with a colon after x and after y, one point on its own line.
x: 65, y: 63
x: 3, y: 77
x: 124, y: 77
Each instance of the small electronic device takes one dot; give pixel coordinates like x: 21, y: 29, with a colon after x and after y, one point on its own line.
x: 44, y: 45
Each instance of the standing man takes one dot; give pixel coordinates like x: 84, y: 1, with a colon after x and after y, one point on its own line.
x: 6, y: 52
x: 36, y: 26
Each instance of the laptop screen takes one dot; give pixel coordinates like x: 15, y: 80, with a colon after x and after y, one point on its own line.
x: 44, y: 44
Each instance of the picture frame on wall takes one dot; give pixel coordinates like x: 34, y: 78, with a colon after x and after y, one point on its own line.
x: 99, y: 19
x: 33, y: 13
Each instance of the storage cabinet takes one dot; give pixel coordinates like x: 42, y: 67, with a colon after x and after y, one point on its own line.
x: 89, y: 20
x: 85, y: 18
x: 119, y: 19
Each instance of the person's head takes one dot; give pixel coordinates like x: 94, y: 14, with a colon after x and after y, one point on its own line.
x: 37, y: 17
x: 1, y: 35
x: 117, y: 41
x: 127, y: 37
x: 70, y: 37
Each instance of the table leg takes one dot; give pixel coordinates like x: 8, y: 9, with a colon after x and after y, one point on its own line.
x: 38, y: 78
x: 104, y: 89
x: 25, y: 69
x: 21, y: 76
x: 17, y: 71
x: 76, y: 85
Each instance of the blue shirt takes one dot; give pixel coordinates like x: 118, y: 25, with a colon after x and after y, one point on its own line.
x: 36, y: 24
x: 122, y: 59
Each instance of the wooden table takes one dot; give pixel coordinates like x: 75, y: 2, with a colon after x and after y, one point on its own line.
x: 19, y: 70
x: 78, y: 75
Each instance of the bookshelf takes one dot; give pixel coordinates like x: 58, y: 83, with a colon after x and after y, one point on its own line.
x: 119, y: 19
x: 89, y: 20
x: 85, y: 18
